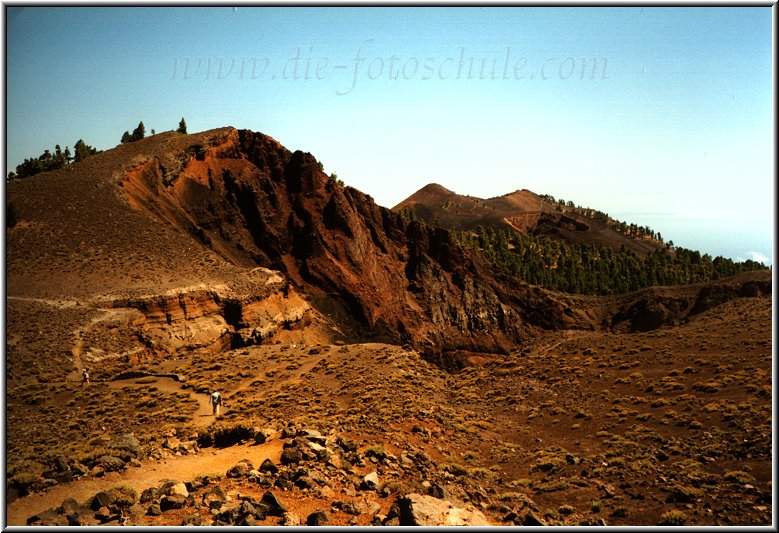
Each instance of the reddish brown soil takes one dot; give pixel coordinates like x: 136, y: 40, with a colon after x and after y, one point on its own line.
x: 582, y: 408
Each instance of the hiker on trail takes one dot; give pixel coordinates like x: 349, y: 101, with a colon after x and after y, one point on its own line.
x: 85, y: 377
x: 216, y: 401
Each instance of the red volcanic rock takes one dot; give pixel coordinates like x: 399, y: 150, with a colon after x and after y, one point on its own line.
x: 255, y: 203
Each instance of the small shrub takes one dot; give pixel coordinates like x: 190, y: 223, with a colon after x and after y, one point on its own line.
x: 673, y: 518
x: 479, y: 473
x: 685, y: 494
x: 470, y: 456
x: 738, y: 476
x: 708, y: 386
x: 125, y: 496
x: 549, y: 460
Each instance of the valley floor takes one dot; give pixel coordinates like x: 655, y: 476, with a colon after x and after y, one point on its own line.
x: 668, y: 426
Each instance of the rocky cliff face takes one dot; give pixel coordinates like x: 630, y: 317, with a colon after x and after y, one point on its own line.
x: 256, y: 203
x: 215, y: 318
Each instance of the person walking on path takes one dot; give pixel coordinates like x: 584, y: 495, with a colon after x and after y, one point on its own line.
x: 216, y: 402
x: 85, y: 377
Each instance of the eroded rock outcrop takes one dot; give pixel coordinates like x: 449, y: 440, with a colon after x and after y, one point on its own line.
x: 378, y: 275
x: 217, y: 317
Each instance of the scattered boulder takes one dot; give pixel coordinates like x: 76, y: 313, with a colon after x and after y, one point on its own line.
x: 268, y: 466
x: 68, y: 506
x: 61, y: 464
x: 172, y: 501
x: 422, y: 510
x: 532, y: 519
x: 393, y: 516
x: 154, y: 510
x: 104, y: 514
x: 313, y: 435
x: 289, y: 432
x: 178, y: 488
x: 241, y: 469
x: 291, y: 456
x: 82, y: 517
x: 289, y: 519
x: 78, y: 469
x: 104, y: 498
x: 109, y: 463
x: 150, y: 494
x: 318, y: 518
x: 192, y: 520
x: 214, y: 498
x: 127, y: 442
x: 358, y: 507
x: 436, y: 491
x: 320, y: 452
x: 275, y: 507
x: 348, y: 445
x: 370, y: 481
x: 261, y: 435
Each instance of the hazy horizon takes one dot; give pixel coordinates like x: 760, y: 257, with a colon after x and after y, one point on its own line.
x: 660, y: 116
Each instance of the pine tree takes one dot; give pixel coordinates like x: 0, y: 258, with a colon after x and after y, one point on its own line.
x: 182, y: 126
x: 139, y: 132
x: 82, y: 150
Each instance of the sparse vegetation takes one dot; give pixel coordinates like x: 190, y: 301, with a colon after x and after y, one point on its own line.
x: 51, y: 161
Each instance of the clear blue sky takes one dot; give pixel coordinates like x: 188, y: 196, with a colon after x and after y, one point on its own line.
x: 660, y: 116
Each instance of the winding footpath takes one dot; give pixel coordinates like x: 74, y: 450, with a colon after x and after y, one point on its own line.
x: 209, y: 461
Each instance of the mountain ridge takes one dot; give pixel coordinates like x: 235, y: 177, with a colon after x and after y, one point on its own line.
x: 521, y: 210
x: 217, y: 204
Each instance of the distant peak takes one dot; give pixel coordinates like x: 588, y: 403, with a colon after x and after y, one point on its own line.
x: 435, y: 188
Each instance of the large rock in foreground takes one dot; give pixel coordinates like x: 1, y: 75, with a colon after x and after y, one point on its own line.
x: 420, y: 510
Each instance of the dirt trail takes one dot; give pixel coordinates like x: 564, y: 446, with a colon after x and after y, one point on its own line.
x: 201, y: 418
x: 60, y: 303
x: 181, y: 468
x: 184, y: 468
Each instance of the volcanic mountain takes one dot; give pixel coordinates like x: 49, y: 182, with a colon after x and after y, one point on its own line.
x: 522, y: 211
x: 145, y: 223
x: 226, y: 238
x: 370, y: 358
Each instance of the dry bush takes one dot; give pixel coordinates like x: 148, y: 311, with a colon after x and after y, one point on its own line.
x: 673, y: 518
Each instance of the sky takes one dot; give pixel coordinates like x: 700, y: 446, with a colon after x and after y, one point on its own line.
x: 660, y: 116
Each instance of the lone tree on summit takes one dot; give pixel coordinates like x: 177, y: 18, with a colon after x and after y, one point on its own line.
x: 182, y: 126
